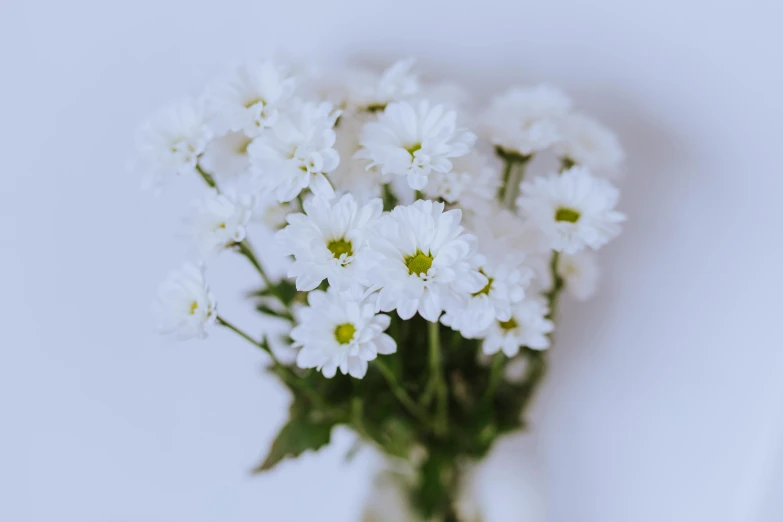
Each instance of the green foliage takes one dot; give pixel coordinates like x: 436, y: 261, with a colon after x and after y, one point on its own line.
x: 475, y: 418
x: 305, y: 430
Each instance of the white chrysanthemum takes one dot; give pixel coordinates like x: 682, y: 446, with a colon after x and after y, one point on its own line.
x: 472, y: 183
x: 574, y: 209
x: 528, y: 326
x: 185, y: 306
x: 507, y: 277
x: 340, y: 330
x: 524, y: 120
x: 171, y: 142
x: 412, y: 142
x: 351, y: 176
x: 366, y: 90
x: 297, y: 153
x: 425, y: 262
x: 226, y: 158
x: 218, y: 221
x: 329, y: 241
x: 251, y: 99
x: 580, y: 273
x: 588, y: 143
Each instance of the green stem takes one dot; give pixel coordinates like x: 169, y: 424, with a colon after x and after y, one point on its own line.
x: 517, y: 174
x: 246, y: 250
x: 207, y: 177
x: 283, y: 372
x: 264, y: 346
x: 506, y: 175
x: 401, y: 394
x: 557, y: 285
x: 437, y: 375
x: 496, y: 372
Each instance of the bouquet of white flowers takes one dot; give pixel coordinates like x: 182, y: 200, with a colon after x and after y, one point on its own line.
x: 426, y: 259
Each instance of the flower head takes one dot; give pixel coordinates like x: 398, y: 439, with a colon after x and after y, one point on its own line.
x: 340, y: 330
x: 588, y: 143
x: 507, y: 278
x: 527, y: 326
x: 170, y: 144
x: 425, y: 260
x: 414, y: 141
x: 297, y: 153
x: 227, y: 159
x: 330, y: 241
x: 218, y: 221
x: 472, y: 183
x: 366, y: 90
x: 573, y: 209
x: 524, y: 120
x: 251, y: 99
x: 185, y: 306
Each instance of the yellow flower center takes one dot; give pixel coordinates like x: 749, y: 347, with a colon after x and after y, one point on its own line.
x: 567, y: 214
x: 339, y: 247
x: 242, y: 149
x: 419, y: 263
x: 193, y: 307
x: 344, y: 333
x: 508, y: 325
x: 249, y: 103
x: 413, y: 148
x: 486, y: 289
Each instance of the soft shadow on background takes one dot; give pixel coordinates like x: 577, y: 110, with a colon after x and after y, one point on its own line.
x: 664, y: 393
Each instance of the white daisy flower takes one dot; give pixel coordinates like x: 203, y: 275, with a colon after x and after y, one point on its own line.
x: 525, y: 120
x: 218, y: 221
x: 297, y: 153
x: 251, y: 99
x: 185, y: 306
x: 171, y: 142
x: 366, y: 90
x: 226, y: 158
x: 330, y: 241
x: 340, y: 330
x: 588, y: 143
x: 527, y: 326
x: 574, y: 209
x: 581, y: 274
x: 412, y: 142
x: 351, y: 176
x: 507, y: 279
x: 425, y: 261
x: 472, y: 183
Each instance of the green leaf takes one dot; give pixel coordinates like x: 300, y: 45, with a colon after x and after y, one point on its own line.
x: 303, y: 432
x: 268, y: 310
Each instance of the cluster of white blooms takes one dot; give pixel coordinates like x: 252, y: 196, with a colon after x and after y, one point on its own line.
x: 386, y: 192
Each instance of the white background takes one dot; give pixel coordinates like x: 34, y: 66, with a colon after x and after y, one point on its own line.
x: 665, y: 397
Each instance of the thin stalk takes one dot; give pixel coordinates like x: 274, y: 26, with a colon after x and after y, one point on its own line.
x: 557, y: 285
x: 516, y: 176
x: 246, y: 250
x: 248, y: 338
x: 400, y: 393
x: 284, y: 372
x: 208, y: 179
x: 437, y: 374
x: 496, y: 372
x: 509, y: 165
